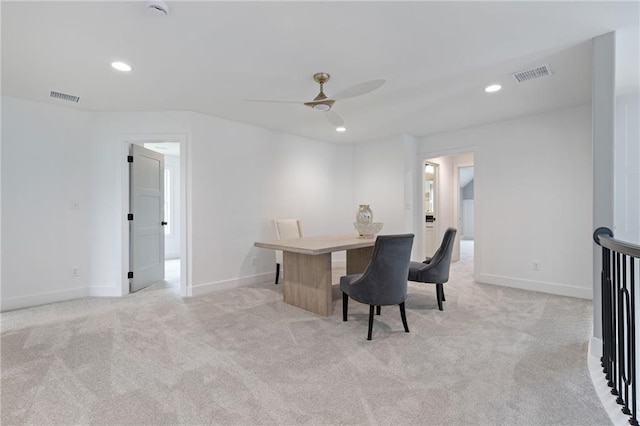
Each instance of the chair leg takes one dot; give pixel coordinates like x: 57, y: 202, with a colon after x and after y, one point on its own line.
x: 378, y: 309
x: 277, y: 272
x: 404, y: 317
x: 439, y: 295
x: 345, y: 305
x: 370, y: 321
x: 444, y: 299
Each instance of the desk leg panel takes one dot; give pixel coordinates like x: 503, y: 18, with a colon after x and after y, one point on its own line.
x: 358, y: 259
x: 307, y: 282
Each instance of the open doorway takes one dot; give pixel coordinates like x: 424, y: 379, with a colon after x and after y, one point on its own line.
x: 172, y: 147
x: 453, y: 198
x: 171, y: 207
x: 430, y: 205
x: 466, y: 203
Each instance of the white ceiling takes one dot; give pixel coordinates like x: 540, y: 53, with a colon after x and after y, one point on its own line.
x: 209, y: 57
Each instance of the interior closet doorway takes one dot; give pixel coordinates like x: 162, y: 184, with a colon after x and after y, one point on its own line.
x: 172, y: 147
x: 171, y: 207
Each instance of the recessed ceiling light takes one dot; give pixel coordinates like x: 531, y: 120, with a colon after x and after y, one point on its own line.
x: 121, y: 66
x: 341, y: 129
x: 492, y: 88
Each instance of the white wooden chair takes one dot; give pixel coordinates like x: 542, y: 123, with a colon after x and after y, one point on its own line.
x: 285, y: 230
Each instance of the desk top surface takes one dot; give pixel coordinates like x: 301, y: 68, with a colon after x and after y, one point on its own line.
x: 318, y: 245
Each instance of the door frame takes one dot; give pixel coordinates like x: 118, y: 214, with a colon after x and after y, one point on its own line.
x: 436, y: 203
x: 456, y: 205
x: 185, y: 250
x: 477, y: 161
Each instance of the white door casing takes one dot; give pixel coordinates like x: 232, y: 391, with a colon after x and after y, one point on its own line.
x: 146, y: 204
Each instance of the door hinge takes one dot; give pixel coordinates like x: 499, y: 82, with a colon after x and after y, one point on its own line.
x: 129, y: 158
x: 130, y: 216
x: 130, y: 275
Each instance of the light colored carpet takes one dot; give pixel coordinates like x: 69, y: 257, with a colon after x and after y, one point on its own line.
x: 495, y: 356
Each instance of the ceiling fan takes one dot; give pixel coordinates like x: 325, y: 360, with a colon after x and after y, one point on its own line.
x: 325, y: 104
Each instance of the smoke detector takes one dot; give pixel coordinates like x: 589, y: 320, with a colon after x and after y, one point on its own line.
x: 158, y: 7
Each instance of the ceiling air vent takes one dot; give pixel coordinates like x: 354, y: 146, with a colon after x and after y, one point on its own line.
x: 532, y: 73
x: 64, y: 96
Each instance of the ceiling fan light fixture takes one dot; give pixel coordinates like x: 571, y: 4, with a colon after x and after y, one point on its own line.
x: 322, y: 107
x: 341, y: 129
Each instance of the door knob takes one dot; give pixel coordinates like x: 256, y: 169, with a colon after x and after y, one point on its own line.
x: 163, y: 223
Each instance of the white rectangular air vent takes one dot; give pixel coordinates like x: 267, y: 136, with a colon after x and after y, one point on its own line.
x: 530, y: 74
x: 64, y: 96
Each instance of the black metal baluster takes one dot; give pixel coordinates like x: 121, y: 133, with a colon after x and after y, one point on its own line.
x: 620, y: 260
x: 614, y: 326
x: 607, y: 316
x: 625, y: 344
x: 634, y: 412
x: 619, y: 346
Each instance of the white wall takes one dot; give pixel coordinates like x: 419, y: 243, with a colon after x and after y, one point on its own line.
x: 44, y: 172
x: 603, y: 100
x: 239, y: 178
x: 412, y: 198
x: 626, y: 197
x: 533, y: 181
x: 243, y: 177
x: 626, y: 221
x: 379, y: 180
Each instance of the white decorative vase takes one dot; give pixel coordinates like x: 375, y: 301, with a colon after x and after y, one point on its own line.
x: 364, y: 214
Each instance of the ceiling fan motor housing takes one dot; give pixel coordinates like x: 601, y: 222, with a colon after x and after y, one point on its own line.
x: 321, y: 102
x: 322, y: 105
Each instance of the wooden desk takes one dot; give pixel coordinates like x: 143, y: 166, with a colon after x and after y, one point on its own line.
x: 307, y: 267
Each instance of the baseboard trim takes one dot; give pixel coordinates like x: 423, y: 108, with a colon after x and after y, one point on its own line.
x: 104, y: 291
x: 603, y: 390
x: 539, y: 286
x: 20, y: 302
x: 595, y: 347
x: 205, y: 288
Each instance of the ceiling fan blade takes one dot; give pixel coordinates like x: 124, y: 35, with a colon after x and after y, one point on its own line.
x: 275, y: 101
x: 358, y: 89
x: 334, y: 118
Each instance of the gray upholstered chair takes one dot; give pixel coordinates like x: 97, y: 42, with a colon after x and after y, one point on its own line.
x: 384, y: 281
x: 285, y: 230
x: 435, y: 270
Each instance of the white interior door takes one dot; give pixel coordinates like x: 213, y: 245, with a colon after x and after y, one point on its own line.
x: 467, y: 219
x: 146, y: 233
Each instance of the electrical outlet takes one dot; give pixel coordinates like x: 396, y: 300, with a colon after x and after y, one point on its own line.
x: 535, y: 265
x: 75, y: 271
x: 254, y: 261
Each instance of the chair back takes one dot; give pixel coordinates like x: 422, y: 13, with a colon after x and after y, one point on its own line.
x: 385, y: 277
x: 287, y: 229
x: 441, y: 260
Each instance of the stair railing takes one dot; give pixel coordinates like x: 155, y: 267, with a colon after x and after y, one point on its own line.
x: 619, y: 280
